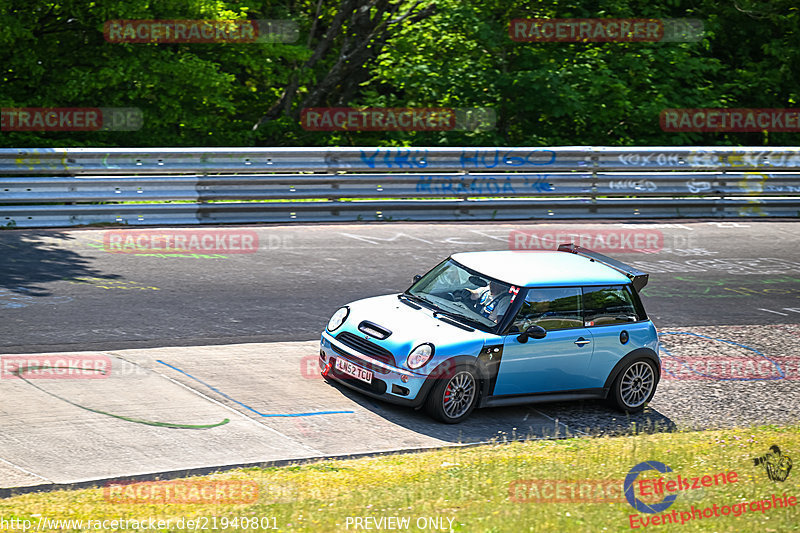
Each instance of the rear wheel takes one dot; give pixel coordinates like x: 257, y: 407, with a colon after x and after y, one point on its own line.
x: 453, y: 398
x: 634, y: 386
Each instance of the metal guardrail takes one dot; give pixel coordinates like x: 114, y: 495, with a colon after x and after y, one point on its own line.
x: 66, y: 187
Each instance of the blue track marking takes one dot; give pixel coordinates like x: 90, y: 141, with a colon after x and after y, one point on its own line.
x: 276, y: 415
x: 774, y: 363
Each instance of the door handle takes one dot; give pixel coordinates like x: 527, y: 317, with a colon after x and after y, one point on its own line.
x: 581, y: 341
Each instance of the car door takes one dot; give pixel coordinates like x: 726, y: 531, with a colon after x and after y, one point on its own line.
x: 618, y: 326
x: 560, y: 360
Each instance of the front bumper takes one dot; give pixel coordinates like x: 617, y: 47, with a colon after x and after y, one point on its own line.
x: 389, y: 383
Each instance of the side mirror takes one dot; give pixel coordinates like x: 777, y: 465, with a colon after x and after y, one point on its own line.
x: 533, y: 332
x: 416, y: 278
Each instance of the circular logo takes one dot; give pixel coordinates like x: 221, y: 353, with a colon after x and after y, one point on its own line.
x: 638, y: 504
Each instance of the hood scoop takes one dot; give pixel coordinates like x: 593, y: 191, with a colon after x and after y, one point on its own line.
x: 373, y: 330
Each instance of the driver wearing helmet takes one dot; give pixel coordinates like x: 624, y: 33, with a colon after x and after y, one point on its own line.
x: 492, y: 301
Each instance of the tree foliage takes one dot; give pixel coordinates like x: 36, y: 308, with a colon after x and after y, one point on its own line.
x: 397, y: 53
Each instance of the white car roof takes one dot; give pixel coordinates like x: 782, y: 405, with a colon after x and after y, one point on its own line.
x: 540, y: 268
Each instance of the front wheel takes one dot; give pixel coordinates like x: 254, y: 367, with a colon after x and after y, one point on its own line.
x: 634, y: 386
x: 453, y: 398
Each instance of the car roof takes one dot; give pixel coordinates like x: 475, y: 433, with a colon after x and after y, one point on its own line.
x: 535, y: 268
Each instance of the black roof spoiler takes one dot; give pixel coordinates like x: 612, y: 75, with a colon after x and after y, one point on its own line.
x: 637, y: 277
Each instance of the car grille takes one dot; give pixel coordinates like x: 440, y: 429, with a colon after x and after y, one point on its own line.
x: 366, y: 347
x: 358, y: 360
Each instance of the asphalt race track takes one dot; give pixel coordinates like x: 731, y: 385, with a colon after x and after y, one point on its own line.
x: 211, y: 355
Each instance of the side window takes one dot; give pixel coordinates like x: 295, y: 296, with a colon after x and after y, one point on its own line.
x: 550, y: 309
x: 609, y: 305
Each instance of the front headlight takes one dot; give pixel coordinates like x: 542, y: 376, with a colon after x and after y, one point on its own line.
x: 338, y: 318
x: 420, y: 356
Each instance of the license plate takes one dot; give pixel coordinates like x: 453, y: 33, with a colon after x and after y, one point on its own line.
x: 352, y: 370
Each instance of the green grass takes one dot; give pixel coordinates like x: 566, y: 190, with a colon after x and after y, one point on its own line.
x: 471, y: 486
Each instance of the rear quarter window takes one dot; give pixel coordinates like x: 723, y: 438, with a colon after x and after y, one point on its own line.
x: 613, y: 304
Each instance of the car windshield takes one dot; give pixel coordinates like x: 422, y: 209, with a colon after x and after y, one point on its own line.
x: 468, y: 296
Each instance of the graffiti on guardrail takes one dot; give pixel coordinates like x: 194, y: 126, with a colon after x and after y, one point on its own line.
x: 696, y: 158
x: 634, y: 185
x: 484, y: 185
x: 655, y: 158
x: 538, y: 183
x: 695, y: 186
x: 395, y: 157
x: 488, y: 159
x: 504, y: 158
x: 73, y: 200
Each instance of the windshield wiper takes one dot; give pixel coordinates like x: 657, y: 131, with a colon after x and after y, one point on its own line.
x: 418, y: 299
x: 438, y: 310
x: 463, y: 318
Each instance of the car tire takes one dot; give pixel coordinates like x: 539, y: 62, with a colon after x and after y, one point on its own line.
x: 453, y: 397
x: 634, y: 386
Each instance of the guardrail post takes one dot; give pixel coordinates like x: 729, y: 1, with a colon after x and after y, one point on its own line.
x: 593, y: 194
x: 719, y: 209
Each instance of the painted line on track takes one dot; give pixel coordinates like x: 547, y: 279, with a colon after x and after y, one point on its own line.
x: 265, y: 415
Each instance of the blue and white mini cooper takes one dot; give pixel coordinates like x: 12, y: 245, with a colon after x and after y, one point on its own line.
x: 499, y: 328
